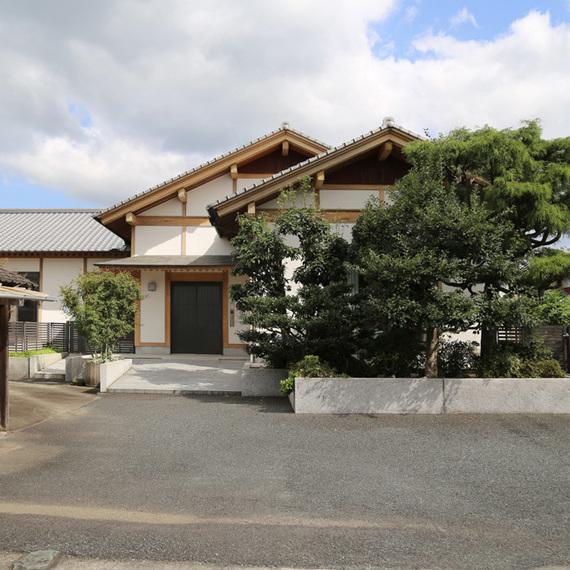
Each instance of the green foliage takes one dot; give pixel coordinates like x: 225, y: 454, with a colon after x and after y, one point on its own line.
x: 103, y: 306
x: 512, y: 170
x: 456, y: 357
x: 309, y: 367
x: 516, y: 360
x: 473, y: 214
x: 45, y: 350
x: 308, y: 311
x: 423, y: 257
x: 553, y: 308
x: 395, y: 353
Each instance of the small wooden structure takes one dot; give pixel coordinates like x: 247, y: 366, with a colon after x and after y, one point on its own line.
x: 13, y: 289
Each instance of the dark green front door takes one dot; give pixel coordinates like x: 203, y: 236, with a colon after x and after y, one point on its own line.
x: 196, y: 318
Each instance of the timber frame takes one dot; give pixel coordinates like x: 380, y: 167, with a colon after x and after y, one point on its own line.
x: 383, y: 145
x: 121, y: 217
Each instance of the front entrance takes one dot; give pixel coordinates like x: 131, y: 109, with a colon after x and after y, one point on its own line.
x: 196, y: 316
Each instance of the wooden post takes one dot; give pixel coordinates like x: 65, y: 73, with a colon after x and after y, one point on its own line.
x: 4, y: 318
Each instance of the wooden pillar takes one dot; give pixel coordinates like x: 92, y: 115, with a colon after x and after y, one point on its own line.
x: 4, y: 318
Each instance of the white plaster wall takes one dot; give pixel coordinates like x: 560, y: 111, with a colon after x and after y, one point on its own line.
x: 344, y: 230
x: 152, y: 316
x: 199, y: 198
x: 301, y: 201
x: 171, y: 208
x: 238, y: 325
x: 206, y: 241
x: 346, y: 199
x: 158, y: 240
x: 21, y: 265
x: 57, y: 272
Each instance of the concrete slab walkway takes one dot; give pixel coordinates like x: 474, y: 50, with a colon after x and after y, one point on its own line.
x: 182, y: 374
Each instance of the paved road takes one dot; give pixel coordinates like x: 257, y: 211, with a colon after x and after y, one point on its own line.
x: 232, y: 481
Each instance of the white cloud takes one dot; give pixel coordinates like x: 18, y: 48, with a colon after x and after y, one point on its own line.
x: 464, y: 16
x: 164, y: 90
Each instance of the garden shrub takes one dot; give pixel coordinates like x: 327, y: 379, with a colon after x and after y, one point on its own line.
x: 516, y: 360
x: 309, y: 367
x: 456, y: 357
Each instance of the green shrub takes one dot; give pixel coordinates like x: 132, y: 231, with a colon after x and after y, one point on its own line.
x: 545, y: 369
x: 516, y: 360
x: 46, y: 350
x: 455, y: 357
x: 309, y: 367
x: 397, y: 353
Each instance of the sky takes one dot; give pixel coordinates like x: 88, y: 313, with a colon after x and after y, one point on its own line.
x: 102, y: 100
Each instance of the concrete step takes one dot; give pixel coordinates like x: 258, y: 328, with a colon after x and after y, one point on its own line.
x: 53, y: 376
x: 54, y: 372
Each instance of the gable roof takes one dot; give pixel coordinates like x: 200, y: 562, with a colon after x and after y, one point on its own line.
x: 331, y: 158
x: 56, y: 231
x: 114, y: 217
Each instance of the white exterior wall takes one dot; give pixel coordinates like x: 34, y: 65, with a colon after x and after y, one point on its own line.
x: 199, y: 198
x: 237, y: 324
x: 158, y: 240
x: 21, y: 265
x: 57, y: 272
x: 346, y: 199
x: 152, y: 317
x: 171, y: 208
x: 203, y: 240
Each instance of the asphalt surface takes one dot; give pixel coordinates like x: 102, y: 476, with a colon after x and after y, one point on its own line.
x: 228, y: 481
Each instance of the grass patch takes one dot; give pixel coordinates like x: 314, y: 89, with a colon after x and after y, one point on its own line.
x: 46, y: 350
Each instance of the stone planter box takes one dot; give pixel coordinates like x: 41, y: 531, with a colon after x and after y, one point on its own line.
x: 105, y: 374
x: 20, y: 368
x: 431, y: 395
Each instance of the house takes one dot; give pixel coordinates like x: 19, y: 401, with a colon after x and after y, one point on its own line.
x: 175, y: 237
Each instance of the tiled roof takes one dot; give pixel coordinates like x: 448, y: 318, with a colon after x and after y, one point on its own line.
x: 55, y: 231
x: 388, y: 123
x: 9, y: 279
x: 285, y: 127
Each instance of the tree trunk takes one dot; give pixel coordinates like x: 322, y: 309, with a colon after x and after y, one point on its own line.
x: 488, y: 340
x: 432, y: 350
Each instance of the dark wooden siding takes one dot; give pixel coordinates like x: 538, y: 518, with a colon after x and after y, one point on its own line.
x: 272, y: 163
x: 369, y: 170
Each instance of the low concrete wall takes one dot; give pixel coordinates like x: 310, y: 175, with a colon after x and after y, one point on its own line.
x: 20, y: 368
x: 368, y: 395
x: 75, y: 367
x: 431, y: 395
x: 507, y: 395
x: 110, y: 372
x: 258, y: 382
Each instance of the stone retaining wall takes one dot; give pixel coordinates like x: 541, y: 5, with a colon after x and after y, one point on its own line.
x: 431, y: 395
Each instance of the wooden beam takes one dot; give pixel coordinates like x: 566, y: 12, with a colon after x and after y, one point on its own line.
x: 131, y: 219
x: 4, y: 318
x: 167, y: 220
x: 385, y: 151
x: 251, y: 208
x: 320, y: 179
x: 182, y: 195
x: 234, y: 171
x: 285, y: 148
